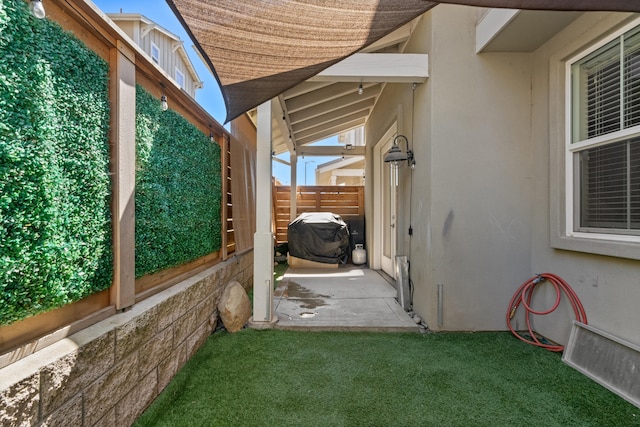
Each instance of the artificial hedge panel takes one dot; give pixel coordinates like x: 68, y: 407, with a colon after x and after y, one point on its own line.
x: 178, y: 188
x: 55, y: 221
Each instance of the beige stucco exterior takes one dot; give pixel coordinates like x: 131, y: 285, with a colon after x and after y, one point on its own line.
x: 486, y: 131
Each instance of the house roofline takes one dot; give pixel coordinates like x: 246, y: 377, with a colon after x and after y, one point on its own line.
x: 181, y: 50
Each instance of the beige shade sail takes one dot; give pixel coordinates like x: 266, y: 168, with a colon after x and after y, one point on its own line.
x: 257, y: 49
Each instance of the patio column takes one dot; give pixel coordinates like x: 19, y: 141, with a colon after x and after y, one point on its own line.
x: 263, y: 237
x: 293, y: 201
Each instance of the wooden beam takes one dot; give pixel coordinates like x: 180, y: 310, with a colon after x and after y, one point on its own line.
x: 365, y: 105
x: 335, y: 123
x: 331, y: 131
x: 378, y: 67
x: 123, y: 142
x: 371, y: 92
x: 304, y: 87
x: 279, y: 160
x: 323, y: 95
x: 327, y: 150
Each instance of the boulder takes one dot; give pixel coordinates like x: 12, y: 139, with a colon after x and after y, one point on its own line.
x: 234, y: 307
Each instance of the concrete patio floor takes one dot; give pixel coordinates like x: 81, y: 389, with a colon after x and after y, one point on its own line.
x: 343, y: 299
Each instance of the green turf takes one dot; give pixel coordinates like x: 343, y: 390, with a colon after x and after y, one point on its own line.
x: 278, y: 378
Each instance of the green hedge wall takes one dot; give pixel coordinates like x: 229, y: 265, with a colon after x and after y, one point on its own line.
x: 55, y: 221
x: 178, y: 188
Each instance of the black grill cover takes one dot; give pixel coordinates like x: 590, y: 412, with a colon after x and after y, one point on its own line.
x: 318, y: 236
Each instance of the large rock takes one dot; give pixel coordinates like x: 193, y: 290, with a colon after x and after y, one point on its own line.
x: 234, y: 307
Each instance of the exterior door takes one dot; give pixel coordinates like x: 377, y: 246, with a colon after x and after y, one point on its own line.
x: 387, y: 194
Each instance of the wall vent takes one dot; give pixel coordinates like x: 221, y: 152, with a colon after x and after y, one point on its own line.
x: 608, y: 360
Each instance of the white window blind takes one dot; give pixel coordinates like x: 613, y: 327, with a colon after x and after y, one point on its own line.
x: 606, y: 124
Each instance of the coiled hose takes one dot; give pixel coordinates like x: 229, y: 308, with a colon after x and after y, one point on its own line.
x: 524, y: 295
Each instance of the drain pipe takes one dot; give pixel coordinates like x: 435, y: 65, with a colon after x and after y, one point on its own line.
x: 440, y: 300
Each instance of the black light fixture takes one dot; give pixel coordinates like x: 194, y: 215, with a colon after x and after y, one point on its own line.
x: 212, y: 137
x: 396, y: 155
x: 360, y: 89
x: 37, y: 9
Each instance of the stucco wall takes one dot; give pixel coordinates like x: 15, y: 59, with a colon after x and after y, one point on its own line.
x: 608, y: 287
x: 481, y: 174
x: 472, y: 192
x: 485, y: 135
x: 109, y: 373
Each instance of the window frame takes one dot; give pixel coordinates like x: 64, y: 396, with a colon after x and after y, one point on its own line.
x: 573, y: 149
x: 178, y: 72
x: 564, y: 182
x: 155, y: 59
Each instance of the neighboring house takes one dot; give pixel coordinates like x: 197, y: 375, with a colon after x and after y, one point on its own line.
x: 163, y: 47
x: 342, y: 171
x: 347, y: 170
x: 527, y: 146
x: 353, y: 138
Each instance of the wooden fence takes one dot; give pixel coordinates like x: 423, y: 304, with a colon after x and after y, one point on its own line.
x: 346, y: 201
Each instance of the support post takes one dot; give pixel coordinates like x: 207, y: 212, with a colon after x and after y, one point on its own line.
x: 263, y: 237
x: 123, y: 158
x: 293, y: 200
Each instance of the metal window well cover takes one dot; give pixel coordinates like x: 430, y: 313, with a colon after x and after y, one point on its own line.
x: 612, y: 362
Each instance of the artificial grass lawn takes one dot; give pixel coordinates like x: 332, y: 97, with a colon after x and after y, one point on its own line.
x: 283, y: 378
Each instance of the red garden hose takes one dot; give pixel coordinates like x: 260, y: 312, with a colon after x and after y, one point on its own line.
x: 523, y: 296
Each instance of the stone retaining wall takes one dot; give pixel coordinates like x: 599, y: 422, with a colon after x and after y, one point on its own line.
x: 107, y: 374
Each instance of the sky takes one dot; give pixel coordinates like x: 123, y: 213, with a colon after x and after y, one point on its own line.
x: 209, y: 97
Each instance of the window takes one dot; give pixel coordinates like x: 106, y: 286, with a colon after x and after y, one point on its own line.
x: 603, y: 157
x: 180, y: 78
x: 155, y: 53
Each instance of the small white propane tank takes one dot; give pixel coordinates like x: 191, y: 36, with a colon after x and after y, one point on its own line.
x: 359, y: 255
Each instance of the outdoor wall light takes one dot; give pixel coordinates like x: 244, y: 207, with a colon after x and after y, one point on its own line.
x: 396, y: 155
x: 37, y: 9
x: 212, y: 138
x: 163, y: 102
x: 360, y: 89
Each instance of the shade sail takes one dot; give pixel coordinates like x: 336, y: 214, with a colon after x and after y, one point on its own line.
x: 257, y: 49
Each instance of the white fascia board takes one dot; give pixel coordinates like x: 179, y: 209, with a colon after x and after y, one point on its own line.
x: 378, y: 68
x: 492, y: 24
x: 329, y: 150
